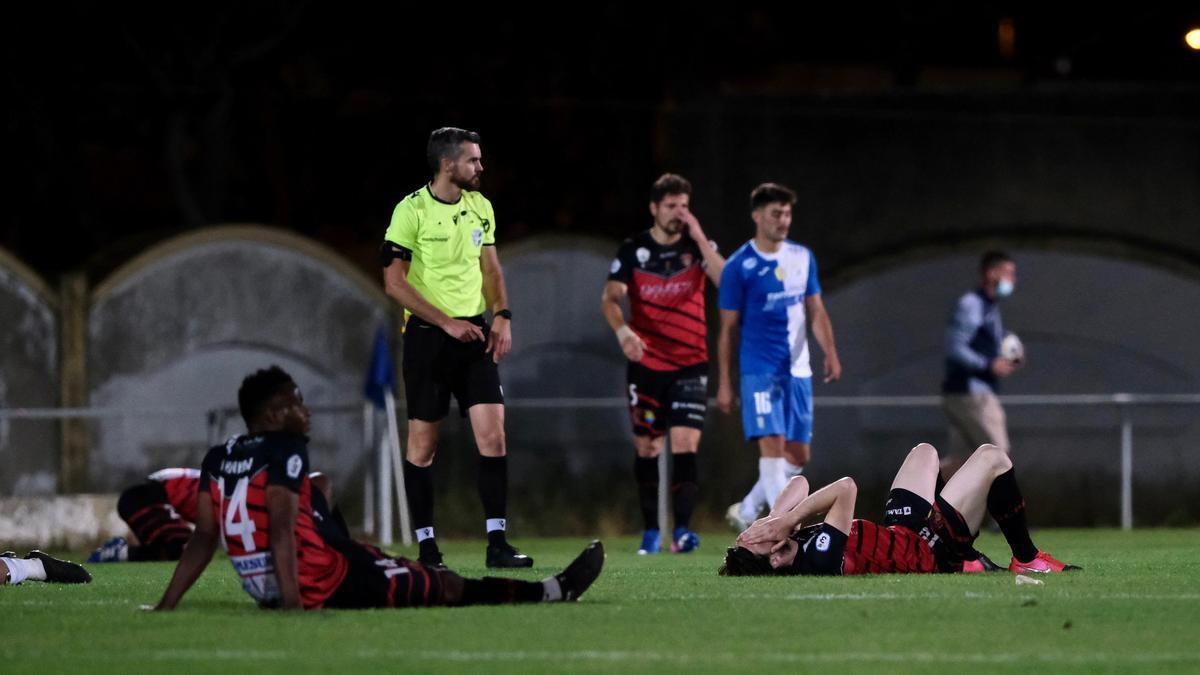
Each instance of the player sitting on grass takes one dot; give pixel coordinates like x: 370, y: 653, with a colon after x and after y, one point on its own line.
x: 38, y: 566
x: 921, y: 532
x: 257, y: 500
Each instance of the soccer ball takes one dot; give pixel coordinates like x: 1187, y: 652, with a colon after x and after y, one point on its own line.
x: 1011, y: 348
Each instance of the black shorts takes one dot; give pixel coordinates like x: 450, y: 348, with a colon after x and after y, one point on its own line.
x: 373, y: 579
x: 660, y: 399
x: 437, y: 366
x: 942, y: 527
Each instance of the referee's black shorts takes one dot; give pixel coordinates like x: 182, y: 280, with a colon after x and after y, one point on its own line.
x: 437, y: 366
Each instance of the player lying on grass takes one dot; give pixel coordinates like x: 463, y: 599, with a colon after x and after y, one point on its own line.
x: 161, y: 512
x: 921, y: 532
x: 257, y: 501
x: 38, y: 566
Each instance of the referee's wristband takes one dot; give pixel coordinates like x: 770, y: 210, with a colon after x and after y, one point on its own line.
x: 624, y: 332
x: 504, y: 313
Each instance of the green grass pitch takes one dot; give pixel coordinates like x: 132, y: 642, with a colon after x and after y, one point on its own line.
x: 1135, y: 607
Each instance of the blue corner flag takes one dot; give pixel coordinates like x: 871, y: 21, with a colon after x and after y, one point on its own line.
x: 380, y: 373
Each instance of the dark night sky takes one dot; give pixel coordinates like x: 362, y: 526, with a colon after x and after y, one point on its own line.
x: 128, y: 125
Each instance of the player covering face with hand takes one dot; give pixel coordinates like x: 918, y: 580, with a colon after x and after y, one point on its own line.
x: 922, y: 531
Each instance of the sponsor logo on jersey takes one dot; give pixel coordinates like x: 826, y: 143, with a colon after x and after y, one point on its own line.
x: 232, y: 467
x: 670, y: 288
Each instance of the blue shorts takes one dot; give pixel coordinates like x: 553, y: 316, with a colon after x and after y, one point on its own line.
x: 777, y: 405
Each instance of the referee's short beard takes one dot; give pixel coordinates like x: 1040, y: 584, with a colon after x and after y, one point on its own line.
x: 464, y: 183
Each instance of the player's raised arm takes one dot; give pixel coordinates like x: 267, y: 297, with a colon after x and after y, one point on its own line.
x: 714, y: 262
x: 282, y: 506
x: 196, y: 555
x: 834, y: 501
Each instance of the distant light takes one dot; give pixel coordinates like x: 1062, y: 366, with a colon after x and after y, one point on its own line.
x: 1006, y: 38
x: 1193, y: 38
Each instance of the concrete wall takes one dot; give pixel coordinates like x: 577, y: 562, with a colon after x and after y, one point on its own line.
x: 182, y: 325
x: 1088, y: 328
x: 29, y: 366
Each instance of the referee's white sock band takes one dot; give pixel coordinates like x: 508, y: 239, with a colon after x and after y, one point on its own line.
x: 423, y: 533
x: 20, y: 570
x: 494, y: 524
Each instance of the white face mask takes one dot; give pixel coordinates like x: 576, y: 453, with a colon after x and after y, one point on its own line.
x: 1004, y: 288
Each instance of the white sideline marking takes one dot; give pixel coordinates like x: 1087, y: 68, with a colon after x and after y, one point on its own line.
x: 970, y: 595
x: 616, y: 656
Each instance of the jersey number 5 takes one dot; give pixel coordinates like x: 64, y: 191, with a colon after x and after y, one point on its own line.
x: 237, y: 521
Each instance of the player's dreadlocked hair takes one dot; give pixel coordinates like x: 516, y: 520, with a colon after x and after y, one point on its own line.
x: 741, y: 562
x: 257, y: 390
x: 446, y: 143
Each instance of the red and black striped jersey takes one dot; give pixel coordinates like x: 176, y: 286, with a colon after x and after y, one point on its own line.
x: 236, y: 476
x: 181, y: 486
x: 666, y: 299
x: 875, y: 549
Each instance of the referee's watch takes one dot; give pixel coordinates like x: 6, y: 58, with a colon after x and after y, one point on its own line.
x: 506, y: 313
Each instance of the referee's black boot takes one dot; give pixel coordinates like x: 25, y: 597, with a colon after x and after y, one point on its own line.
x: 504, y: 555
x: 433, y: 561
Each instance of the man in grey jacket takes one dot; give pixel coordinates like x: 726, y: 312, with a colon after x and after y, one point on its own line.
x: 975, y: 365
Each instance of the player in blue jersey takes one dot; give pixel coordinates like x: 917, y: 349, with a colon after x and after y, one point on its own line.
x: 769, y: 289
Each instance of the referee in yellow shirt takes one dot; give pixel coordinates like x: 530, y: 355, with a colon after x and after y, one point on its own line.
x: 439, y: 262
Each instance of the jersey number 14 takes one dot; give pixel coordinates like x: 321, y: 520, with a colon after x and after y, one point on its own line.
x: 237, y: 521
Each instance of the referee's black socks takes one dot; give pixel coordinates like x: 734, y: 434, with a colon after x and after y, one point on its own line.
x: 493, y: 492
x: 418, y: 483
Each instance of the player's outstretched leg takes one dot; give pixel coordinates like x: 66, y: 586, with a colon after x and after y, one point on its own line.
x: 40, y: 566
x: 566, y: 586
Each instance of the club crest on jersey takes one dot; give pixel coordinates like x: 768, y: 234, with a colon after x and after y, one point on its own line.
x: 642, y: 255
x: 780, y: 273
x: 294, y: 465
x: 477, y: 237
x: 686, y: 260
x: 750, y: 263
